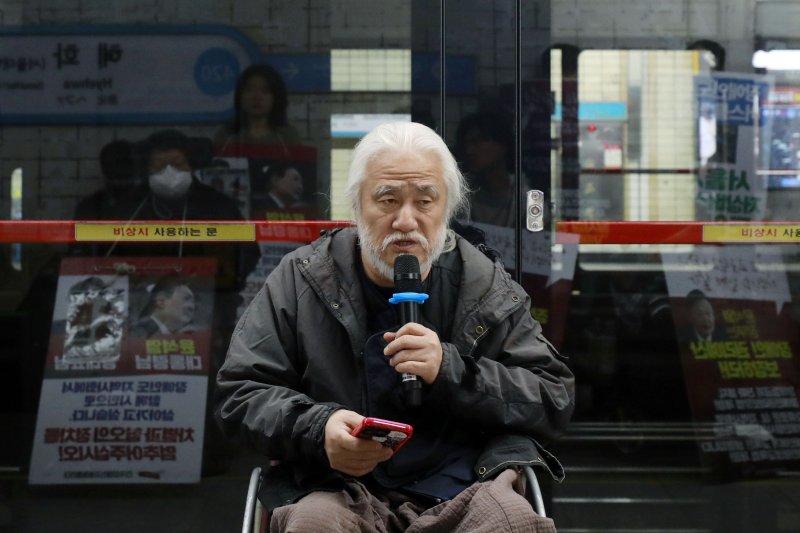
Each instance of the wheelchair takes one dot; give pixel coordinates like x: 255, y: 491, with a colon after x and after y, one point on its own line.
x: 256, y: 519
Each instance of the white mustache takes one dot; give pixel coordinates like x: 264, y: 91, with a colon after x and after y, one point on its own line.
x: 414, y: 236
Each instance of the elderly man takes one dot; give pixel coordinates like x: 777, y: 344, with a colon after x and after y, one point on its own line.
x: 320, y: 348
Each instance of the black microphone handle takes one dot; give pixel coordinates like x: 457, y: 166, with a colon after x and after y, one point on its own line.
x: 409, y: 312
x: 412, y: 385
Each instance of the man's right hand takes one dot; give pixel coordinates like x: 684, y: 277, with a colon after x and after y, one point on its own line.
x: 348, y: 454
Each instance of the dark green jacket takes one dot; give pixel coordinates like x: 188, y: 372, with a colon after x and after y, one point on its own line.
x: 295, y: 357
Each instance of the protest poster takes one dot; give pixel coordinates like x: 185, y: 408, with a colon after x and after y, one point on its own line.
x: 269, y: 182
x: 124, y: 390
x: 729, y: 119
x: 738, y: 351
x: 282, y: 179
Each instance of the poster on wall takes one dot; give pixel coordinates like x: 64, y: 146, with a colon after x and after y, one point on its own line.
x: 231, y: 177
x: 269, y: 182
x: 728, y: 123
x: 738, y: 350
x: 124, y: 391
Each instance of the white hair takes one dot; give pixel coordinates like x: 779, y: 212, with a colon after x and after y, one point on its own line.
x: 409, y: 137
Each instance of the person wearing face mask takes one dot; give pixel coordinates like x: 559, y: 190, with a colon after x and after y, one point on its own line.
x: 169, y: 158
x: 174, y: 193
x: 170, y: 192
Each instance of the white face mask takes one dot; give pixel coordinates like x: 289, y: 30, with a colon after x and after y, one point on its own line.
x: 170, y: 182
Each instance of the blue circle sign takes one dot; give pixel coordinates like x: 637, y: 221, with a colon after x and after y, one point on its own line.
x: 216, y: 72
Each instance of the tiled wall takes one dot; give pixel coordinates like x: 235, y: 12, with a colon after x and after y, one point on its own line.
x: 60, y: 163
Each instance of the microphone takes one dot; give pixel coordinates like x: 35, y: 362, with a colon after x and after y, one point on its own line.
x: 408, y: 295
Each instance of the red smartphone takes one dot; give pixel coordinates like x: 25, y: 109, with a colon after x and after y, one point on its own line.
x: 388, y: 433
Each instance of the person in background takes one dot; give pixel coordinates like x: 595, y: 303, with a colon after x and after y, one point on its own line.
x: 320, y: 348
x: 118, y: 167
x: 260, y: 104
x: 169, y: 191
x: 174, y: 193
x: 485, y: 148
x: 168, y: 158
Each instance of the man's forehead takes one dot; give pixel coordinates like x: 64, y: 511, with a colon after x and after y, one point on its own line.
x: 168, y: 154
x: 409, y: 184
x: 403, y: 170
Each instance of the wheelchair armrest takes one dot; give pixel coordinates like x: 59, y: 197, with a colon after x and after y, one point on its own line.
x: 533, y: 492
x: 252, y: 500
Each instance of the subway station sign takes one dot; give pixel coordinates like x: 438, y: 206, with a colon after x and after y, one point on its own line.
x: 120, y: 74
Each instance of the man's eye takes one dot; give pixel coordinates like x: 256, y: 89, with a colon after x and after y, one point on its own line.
x: 424, y: 203
x: 387, y: 201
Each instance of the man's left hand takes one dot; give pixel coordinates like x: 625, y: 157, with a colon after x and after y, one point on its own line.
x: 414, y: 349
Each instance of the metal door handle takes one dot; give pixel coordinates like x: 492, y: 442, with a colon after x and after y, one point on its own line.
x: 534, y: 210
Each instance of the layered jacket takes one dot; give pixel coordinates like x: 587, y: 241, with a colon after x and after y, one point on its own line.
x: 297, y: 355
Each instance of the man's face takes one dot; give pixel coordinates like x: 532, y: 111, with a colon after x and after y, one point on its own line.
x: 289, y: 187
x: 176, y: 310
x: 702, y: 317
x: 403, y: 211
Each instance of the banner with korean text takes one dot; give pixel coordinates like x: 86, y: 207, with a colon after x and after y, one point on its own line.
x: 728, y: 124
x: 124, y: 392
x: 739, y: 353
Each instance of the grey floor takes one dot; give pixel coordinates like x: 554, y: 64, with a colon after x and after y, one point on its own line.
x: 215, y: 504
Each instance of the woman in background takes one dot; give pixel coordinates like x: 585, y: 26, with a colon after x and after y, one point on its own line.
x: 260, y: 104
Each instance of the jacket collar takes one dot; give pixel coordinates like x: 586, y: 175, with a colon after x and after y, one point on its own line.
x: 484, y: 300
x: 487, y: 297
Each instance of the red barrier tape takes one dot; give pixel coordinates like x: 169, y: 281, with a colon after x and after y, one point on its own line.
x: 69, y: 231
x: 704, y: 232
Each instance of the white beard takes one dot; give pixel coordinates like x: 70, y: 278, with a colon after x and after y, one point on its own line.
x: 373, y: 251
